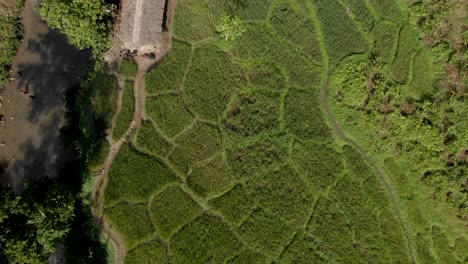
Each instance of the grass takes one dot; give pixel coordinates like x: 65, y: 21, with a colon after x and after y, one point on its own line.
x: 385, y: 35
x: 235, y: 205
x: 154, y: 251
x: 302, y: 249
x: 171, y: 209
x: 207, y: 239
x: 211, y: 82
x: 131, y: 221
x: 248, y: 256
x: 168, y: 111
x: 127, y: 69
x: 389, y: 10
x: 125, y: 116
x: 407, y: 46
x: 149, y: 140
x: 169, y: 74
x: 421, y: 86
x: 210, y: 178
x: 360, y: 10
x: 135, y: 176
x: 192, y: 146
x: 266, y: 76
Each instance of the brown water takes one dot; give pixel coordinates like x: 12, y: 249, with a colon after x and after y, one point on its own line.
x: 30, y: 146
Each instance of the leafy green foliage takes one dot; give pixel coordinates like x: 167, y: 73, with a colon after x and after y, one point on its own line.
x: 127, y: 69
x: 303, y: 249
x: 169, y: 112
x: 171, y: 209
x: 421, y: 85
x: 229, y: 27
x: 407, y: 46
x: 389, y: 10
x: 266, y: 76
x: 151, y: 141
x: 169, y: 73
x: 125, y: 116
x: 34, y: 222
x: 248, y: 256
x: 360, y: 10
x: 135, y: 176
x: 235, y: 205
x: 153, y: 251
x: 210, y: 178
x: 203, y: 240
x: 131, y: 221
x: 10, y: 36
x: 386, y: 38
x: 86, y: 23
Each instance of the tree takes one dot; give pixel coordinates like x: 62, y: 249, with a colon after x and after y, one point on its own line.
x: 85, y: 23
x: 230, y: 27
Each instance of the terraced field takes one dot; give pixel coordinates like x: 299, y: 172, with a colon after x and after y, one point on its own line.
x: 242, y: 158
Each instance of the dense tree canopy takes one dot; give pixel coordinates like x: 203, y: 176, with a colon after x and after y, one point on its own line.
x: 86, y: 23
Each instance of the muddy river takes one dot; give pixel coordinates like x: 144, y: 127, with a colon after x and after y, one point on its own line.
x: 32, y: 104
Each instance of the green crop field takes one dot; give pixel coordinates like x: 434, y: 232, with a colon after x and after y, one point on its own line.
x: 310, y: 137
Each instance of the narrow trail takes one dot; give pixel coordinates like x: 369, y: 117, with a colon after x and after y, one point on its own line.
x: 368, y: 160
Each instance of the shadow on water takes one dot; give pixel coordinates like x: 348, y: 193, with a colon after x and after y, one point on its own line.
x: 47, y: 66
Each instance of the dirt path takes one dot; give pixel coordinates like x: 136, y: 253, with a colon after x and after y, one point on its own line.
x: 375, y: 167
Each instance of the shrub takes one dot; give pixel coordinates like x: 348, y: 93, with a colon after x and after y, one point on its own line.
x: 127, y: 69
x: 302, y: 116
x: 421, y: 85
x: 407, y: 45
x: 131, y: 221
x: 389, y: 10
x: 266, y: 75
x: 361, y: 12
x: 210, y: 178
x: 149, y: 140
x: 105, y: 100
x: 171, y: 209
x: 385, y: 35
x: 207, y: 239
x: 169, y: 113
x: 211, y: 81
x: 282, y: 192
x: 235, y: 205
x: 253, y: 113
x: 192, y: 146
x: 297, y: 29
x: 153, y: 252
x: 318, y: 162
x: 302, y: 250
x: 124, y: 118
x: 169, y: 73
x: 266, y: 232
x: 341, y: 37
x: 135, y: 176
x: 252, y: 158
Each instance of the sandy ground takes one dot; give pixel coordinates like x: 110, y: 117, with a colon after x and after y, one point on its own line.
x: 30, y: 146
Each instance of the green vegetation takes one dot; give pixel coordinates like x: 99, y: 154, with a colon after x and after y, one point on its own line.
x: 230, y: 27
x: 313, y: 137
x: 125, y: 116
x: 86, y: 23
x: 10, y: 35
x: 171, y: 209
x: 127, y: 69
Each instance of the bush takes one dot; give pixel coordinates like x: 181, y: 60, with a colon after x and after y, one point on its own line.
x: 302, y: 116
x: 169, y: 73
x: 211, y: 81
x: 235, y: 205
x: 407, y: 46
x: 192, y: 146
x: 131, y: 221
x: 283, y: 193
x: 318, y: 162
x: 122, y: 123
x: 153, y: 252
x: 149, y: 140
x: 11, y: 34
x: 207, y: 239
x: 252, y: 158
x: 296, y: 29
x: 171, y: 209
x: 253, y: 113
x: 341, y: 37
x: 266, y: 232
x: 211, y: 178
x: 128, y: 69
x: 135, y: 176
x: 169, y: 113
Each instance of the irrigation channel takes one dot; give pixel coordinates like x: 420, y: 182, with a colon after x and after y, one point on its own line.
x: 32, y: 104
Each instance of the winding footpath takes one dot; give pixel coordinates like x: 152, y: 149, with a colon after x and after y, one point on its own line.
x: 368, y: 160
